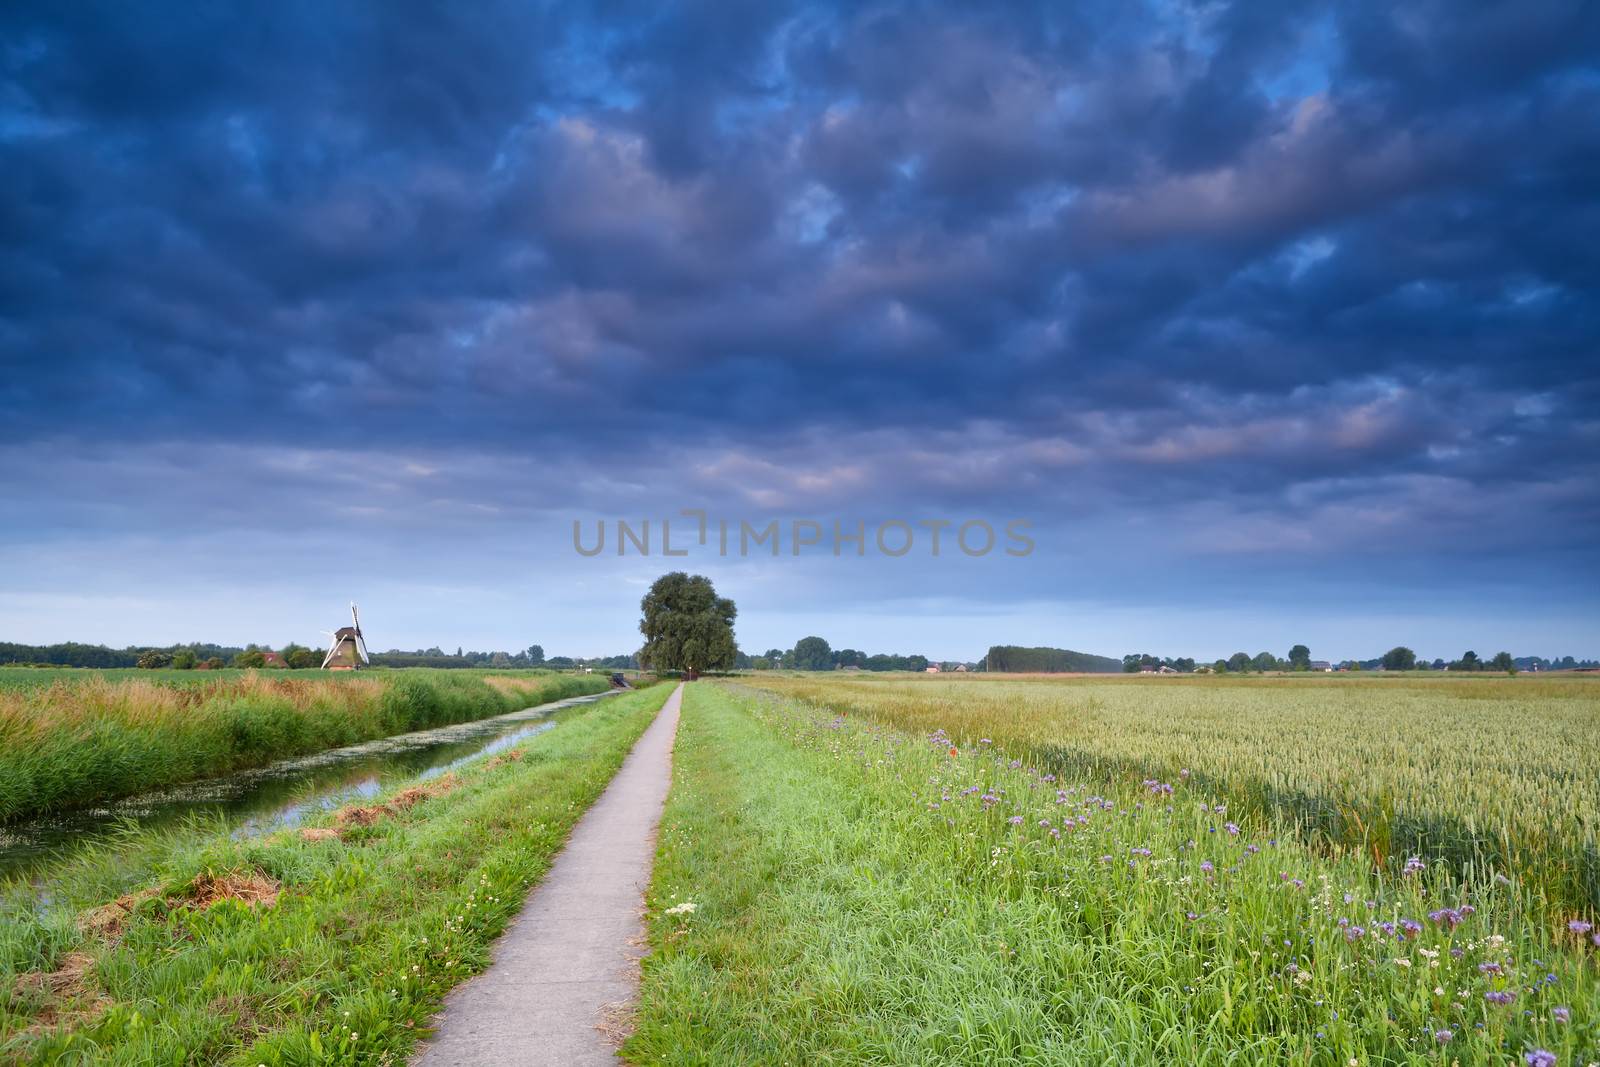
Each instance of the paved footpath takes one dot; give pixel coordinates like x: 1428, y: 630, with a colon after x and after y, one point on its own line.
x: 571, y: 956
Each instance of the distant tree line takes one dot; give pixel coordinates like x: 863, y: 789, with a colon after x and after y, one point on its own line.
x: 200, y: 655
x: 1399, y: 658
x: 815, y: 654
x: 1017, y: 660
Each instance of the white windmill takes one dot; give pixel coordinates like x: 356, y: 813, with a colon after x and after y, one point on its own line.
x: 348, y: 651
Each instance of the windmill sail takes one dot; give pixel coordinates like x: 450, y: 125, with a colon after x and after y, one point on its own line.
x: 348, y: 649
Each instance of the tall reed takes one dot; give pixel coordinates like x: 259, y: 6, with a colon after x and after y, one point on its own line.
x: 82, y: 742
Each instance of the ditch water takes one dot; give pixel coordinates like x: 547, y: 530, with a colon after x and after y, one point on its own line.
x: 280, y: 794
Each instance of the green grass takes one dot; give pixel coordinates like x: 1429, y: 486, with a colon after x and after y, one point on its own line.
x: 1484, y: 770
x: 366, y: 934
x: 846, y: 913
x: 97, y: 738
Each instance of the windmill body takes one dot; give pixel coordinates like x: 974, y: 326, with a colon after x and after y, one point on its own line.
x: 348, y: 650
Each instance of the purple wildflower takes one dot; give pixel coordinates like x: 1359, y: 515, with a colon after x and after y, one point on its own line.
x: 1540, y: 1058
x: 1443, y: 1036
x: 1015, y: 820
x: 1354, y: 933
x: 1414, y: 865
x: 1206, y: 866
x: 1489, y: 967
x: 1579, y: 927
x: 1562, y: 1014
x: 1449, y: 918
x: 1410, y: 928
x: 1500, y: 996
x: 1232, y: 828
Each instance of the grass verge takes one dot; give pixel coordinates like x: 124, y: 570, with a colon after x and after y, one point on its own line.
x: 77, y: 743
x: 864, y: 896
x: 331, y: 944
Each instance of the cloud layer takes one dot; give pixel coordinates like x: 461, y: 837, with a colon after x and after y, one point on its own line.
x: 1264, y: 290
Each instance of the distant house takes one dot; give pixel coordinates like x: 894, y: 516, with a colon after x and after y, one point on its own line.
x: 933, y: 668
x: 850, y: 667
x: 961, y: 668
x: 273, y: 659
x: 1319, y: 665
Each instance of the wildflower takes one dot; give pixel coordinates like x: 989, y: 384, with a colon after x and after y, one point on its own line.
x: 1489, y: 967
x: 1206, y: 866
x: 1540, y: 1058
x: 1354, y: 933
x: 1579, y: 927
x: 1414, y: 865
x: 1443, y: 1036
x: 1562, y: 1014
x: 1232, y: 828
x: 1500, y: 996
x: 952, y: 750
x: 686, y: 908
x: 1015, y: 820
x: 1449, y: 918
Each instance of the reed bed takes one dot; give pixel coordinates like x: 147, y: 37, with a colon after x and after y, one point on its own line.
x: 80, y: 742
x: 331, y: 945
x: 1495, y: 773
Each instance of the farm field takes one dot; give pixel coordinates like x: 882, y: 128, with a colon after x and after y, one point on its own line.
x: 75, y: 737
x: 1487, y: 773
x: 332, y: 943
x: 834, y: 888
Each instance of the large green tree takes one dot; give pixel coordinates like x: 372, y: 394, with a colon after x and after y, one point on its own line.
x: 1399, y: 658
x: 686, y: 626
x: 1299, y: 658
x: 813, y: 654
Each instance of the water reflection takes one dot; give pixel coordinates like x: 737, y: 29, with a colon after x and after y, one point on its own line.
x: 282, y: 794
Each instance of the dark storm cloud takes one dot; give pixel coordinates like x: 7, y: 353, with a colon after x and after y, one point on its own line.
x: 1254, y: 256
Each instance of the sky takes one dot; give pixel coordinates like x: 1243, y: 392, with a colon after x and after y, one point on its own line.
x: 1275, y: 323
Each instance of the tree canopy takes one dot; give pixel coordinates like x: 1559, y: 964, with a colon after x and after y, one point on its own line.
x: 686, y: 626
x: 813, y: 654
x: 1399, y: 658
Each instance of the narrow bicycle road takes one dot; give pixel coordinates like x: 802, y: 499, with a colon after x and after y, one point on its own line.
x: 571, y: 956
